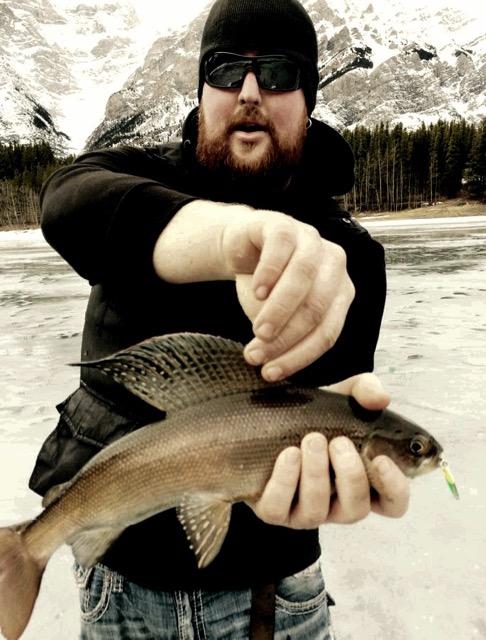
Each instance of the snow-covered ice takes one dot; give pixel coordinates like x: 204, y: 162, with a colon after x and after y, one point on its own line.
x: 423, y: 576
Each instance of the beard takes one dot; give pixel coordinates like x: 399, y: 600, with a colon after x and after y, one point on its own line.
x: 277, y: 162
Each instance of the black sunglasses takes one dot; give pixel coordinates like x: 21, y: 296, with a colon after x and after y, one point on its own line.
x: 274, y: 72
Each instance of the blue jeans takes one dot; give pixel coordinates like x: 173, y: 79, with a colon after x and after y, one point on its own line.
x: 112, y: 608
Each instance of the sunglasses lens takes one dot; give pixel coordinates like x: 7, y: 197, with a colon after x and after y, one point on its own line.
x: 274, y: 73
x: 278, y: 75
x: 227, y: 75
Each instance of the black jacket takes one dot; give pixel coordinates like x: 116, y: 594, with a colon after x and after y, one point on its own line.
x: 103, y: 214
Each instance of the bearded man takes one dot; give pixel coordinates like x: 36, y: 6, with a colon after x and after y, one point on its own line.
x: 232, y: 231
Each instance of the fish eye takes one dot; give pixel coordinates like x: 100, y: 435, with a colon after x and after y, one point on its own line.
x: 419, y: 445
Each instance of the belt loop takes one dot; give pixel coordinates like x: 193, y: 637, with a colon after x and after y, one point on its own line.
x: 262, y: 614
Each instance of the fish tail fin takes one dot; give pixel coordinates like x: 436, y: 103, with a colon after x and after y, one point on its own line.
x: 20, y: 577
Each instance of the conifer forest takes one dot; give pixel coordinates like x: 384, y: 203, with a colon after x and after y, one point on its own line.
x: 23, y: 169
x: 400, y: 169
x: 396, y: 169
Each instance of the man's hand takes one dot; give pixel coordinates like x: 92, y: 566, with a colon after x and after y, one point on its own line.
x: 298, y: 294
x: 306, y: 471
x: 292, y: 284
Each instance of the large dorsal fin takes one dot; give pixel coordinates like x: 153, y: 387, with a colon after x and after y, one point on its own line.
x: 180, y: 369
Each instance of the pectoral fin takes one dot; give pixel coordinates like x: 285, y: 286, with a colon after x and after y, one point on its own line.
x: 205, y: 520
x: 89, y: 546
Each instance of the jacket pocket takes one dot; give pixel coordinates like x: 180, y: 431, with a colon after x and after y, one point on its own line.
x: 86, y: 424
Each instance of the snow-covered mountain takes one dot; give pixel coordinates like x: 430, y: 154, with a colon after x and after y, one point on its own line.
x: 412, y: 65
x: 388, y: 61
x: 64, y: 60
x: 394, y: 64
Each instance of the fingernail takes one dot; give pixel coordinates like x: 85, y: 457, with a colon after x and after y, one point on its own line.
x: 265, y: 331
x: 274, y: 374
x: 292, y: 456
x: 255, y: 356
x: 261, y: 293
x: 315, y: 445
x: 341, y: 445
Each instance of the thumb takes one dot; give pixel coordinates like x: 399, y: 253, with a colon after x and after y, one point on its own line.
x: 246, y: 295
x: 366, y: 388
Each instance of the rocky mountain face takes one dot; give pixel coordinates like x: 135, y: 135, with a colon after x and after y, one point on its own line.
x: 155, y: 100
x: 404, y: 65
x: 22, y: 117
x: 69, y: 65
x: 59, y: 64
x: 22, y: 48
x: 399, y: 65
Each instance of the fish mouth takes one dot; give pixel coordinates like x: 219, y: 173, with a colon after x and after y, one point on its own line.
x: 427, y: 465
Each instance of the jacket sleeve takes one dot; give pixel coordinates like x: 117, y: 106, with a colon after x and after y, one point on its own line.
x: 104, y: 213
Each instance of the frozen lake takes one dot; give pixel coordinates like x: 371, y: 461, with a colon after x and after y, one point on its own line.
x: 423, y: 576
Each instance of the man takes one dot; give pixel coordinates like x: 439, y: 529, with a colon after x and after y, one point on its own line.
x: 163, y: 234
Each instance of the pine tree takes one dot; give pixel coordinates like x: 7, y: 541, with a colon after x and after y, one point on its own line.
x: 475, y: 170
x: 453, y: 166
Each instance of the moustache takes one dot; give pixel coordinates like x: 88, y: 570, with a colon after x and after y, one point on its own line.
x: 249, y: 119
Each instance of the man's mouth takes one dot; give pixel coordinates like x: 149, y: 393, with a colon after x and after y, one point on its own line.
x: 249, y: 127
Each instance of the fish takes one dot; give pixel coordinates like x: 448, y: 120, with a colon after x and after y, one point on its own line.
x: 223, y: 430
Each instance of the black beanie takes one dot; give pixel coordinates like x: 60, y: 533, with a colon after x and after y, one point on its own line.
x: 266, y: 26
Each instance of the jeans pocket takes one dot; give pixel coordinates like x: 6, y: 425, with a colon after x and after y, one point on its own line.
x: 95, y: 586
x: 303, y: 592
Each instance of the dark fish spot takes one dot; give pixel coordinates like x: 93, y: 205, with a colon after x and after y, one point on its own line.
x: 279, y: 396
x: 415, y: 356
x: 366, y: 415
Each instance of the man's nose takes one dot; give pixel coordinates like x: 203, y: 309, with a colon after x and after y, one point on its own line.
x: 250, y: 90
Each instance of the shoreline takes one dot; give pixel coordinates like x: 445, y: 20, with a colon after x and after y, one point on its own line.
x: 447, y: 209
x: 455, y: 208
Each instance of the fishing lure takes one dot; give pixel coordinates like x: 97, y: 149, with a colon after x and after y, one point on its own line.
x: 449, y: 478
